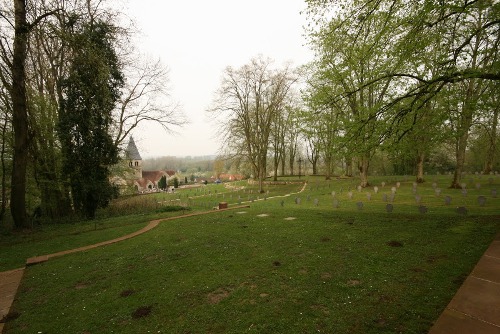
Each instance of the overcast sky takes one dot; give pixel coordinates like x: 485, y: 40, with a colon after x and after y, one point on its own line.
x: 197, y: 39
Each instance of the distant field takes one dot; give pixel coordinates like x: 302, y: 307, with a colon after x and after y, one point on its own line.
x: 323, y: 265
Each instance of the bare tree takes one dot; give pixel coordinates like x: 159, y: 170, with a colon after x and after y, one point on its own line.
x: 247, y: 104
x: 145, y: 98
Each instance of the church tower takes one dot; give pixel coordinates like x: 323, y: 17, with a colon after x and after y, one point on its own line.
x: 134, y: 158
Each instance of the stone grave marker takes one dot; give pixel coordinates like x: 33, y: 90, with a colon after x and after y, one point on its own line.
x: 391, y: 197
x: 481, y: 200
x: 359, y: 205
x: 359, y: 188
x: 384, y: 197
x: 368, y: 196
x: 375, y: 189
x: 494, y: 193
x: 418, y: 199
x: 389, y: 207
x: 438, y: 191
x: 336, y: 203
x: 393, y: 190
x: 447, y: 200
x: 333, y: 193
x: 308, y: 198
x: 464, y: 192
x: 297, y: 200
x: 463, y: 185
x: 462, y: 210
x: 434, y: 185
x: 316, y: 202
x: 414, y: 191
x: 349, y: 194
x: 398, y: 184
x: 422, y: 209
x: 383, y: 184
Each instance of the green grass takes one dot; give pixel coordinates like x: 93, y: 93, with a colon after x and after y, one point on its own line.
x: 330, y: 270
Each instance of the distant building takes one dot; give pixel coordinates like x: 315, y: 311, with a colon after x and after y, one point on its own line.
x: 143, y: 180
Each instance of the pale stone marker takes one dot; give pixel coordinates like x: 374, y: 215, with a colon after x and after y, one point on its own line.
x: 359, y: 205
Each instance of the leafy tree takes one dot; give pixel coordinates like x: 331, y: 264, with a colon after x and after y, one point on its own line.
x: 176, y: 182
x: 162, y: 184
x: 90, y: 94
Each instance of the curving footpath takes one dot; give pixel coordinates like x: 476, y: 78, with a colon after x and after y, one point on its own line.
x: 10, y: 280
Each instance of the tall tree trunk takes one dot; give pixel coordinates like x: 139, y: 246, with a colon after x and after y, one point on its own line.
x: 363, y: 164
x: 492, y: 146
x: 328, y: 166
x: 420, y: 167
x: 4, y: 170
x: 19, y: 117
x: 348, y: 166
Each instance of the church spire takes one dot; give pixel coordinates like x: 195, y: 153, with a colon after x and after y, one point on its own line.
x: 132, y: 153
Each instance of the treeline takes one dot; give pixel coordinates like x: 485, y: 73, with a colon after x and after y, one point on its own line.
x: 403, y: 84
x: 185, y: 165
x: 72, y: 90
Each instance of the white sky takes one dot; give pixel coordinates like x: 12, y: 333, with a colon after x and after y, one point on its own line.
x: 197, y: 39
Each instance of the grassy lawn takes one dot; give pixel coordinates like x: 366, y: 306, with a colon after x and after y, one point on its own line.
x: 329, y: 269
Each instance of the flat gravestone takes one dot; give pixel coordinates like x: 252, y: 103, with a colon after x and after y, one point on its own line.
x: 389, y: 207
x: 462, y: 210
x: 447, y: 200
x: 349, y: 194
x: 290, y: 218
x: 368, y: 196
x: 336, y: 203
x: 481, y: 200
x: 316, y: 202
x: 422, y: 209
x: 263, y: 215
x: 437, y: 191
x: 375, y: 189
x: 494, y: 193
x: 359, y: 205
